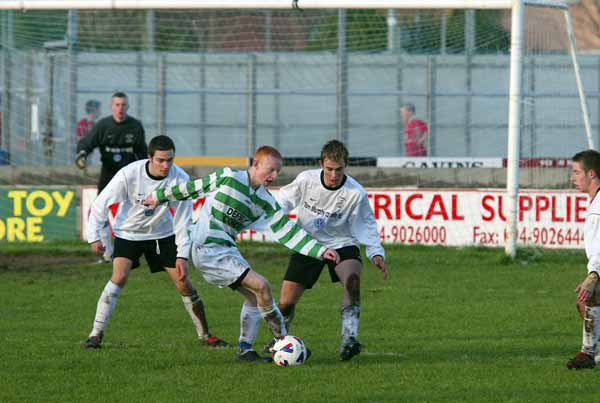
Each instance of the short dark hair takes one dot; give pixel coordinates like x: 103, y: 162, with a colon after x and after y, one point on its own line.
x: 92, y: 105
x: 119, y: 94
x: 409, y: 106
x: 334, y: 150
x: 162, y: 143
x: 589, y: 159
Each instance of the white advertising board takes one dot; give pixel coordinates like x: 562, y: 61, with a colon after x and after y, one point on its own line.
x: 459, y: 217
x: 547, y: 218
x: 438, y: 162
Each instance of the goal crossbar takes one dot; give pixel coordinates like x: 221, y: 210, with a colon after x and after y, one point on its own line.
x: 251, y: 4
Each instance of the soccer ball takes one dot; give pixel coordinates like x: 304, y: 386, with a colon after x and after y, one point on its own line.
x: 288, y: 351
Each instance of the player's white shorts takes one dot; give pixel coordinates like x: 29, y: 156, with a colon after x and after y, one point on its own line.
x: 219, y: 265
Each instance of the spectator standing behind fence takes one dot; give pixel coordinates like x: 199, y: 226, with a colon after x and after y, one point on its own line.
x: 121, y: 140
x: 92, y: 110
x: 415, y: 132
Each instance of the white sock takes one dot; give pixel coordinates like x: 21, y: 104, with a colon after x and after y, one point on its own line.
x: 195, y: 307
x: 107, y: 241
x: 350, y: 321
x: 272, y: 315
x: 249, y: 324
x: 106, y: 304
x: 591, y: 329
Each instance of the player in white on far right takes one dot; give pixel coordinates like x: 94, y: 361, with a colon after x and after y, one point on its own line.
x: 334, y: 208
x: 585, y: 176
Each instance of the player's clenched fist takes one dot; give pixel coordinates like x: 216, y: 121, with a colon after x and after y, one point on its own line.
x: 97, y: 247
x: 331, y: 254
x: 150, y: 201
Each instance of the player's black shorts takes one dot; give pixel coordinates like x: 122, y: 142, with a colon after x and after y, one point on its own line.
x: 159, y: 253
x: 306, y: 270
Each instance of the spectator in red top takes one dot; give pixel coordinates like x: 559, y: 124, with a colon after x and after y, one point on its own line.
x: 415, y: 132
x: 92, y: 108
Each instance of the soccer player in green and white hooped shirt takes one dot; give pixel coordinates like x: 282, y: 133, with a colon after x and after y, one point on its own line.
x: 237, y: 201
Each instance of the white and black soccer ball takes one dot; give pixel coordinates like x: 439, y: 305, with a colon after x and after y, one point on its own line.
x: 289, y: 350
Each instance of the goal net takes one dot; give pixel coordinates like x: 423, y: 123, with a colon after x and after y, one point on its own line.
x: 222, y: 81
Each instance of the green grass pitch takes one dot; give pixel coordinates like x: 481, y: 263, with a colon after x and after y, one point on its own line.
x: 450, y: 325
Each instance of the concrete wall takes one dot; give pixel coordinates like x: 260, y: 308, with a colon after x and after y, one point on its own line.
x: 530, y: 178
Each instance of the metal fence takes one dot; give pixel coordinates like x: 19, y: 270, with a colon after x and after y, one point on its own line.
x: 228, y: 103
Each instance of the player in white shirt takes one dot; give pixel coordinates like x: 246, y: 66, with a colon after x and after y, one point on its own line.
x: 586, y: 178
x: 334, y: 208
x: 237, y: 201
x: 160, y: 234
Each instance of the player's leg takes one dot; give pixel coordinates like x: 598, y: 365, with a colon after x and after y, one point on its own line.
x: 348, y: 272
x: 291, y: 292
x: 302, y: 273
x: 225, y: 267
x: 195, y: 307
x: 250, y: 319
x: 161, y: 254
x: 108, y: 300
x: 260, y: 287
x: 590, y: 335
x: 590, y: 313
x: 290, y: 295
x: 591, y: 329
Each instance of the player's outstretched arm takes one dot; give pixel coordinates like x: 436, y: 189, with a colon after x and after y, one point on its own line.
x: 380, y: 264
x: 192, y: 189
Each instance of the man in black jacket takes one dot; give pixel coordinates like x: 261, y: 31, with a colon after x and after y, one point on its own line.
x: 120, y: 139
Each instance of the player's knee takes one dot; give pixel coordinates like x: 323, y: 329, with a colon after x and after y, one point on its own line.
x: 353, y: 281
x: 353, y: 287
x: 263, y: 288
x: 119, y: 279
x: 266, y: 289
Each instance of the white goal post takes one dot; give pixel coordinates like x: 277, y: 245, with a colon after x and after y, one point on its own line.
x: 516, y: 57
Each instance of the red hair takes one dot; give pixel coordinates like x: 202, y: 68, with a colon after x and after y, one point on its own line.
x: 264, y: 151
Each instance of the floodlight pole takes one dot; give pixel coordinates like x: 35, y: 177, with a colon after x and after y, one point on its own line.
x: 514, y: 127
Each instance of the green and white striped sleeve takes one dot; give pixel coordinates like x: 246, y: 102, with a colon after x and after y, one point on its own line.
x: 287, y: 232
x: 193, y: 189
